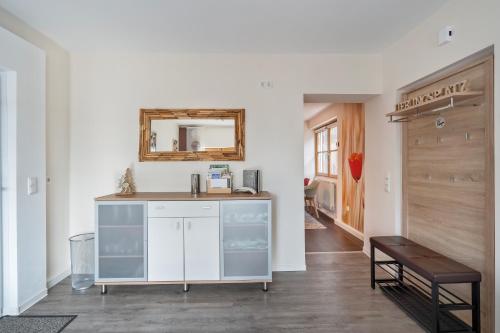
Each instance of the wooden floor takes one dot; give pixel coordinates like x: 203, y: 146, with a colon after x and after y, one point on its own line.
x: 332, y: 296
x: 332, y: 239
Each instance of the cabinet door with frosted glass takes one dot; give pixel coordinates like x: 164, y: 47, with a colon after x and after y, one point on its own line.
x: 121, y: 235
x: 246, y: 240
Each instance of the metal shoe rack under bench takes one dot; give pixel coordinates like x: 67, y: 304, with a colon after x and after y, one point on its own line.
x: 414, y: 280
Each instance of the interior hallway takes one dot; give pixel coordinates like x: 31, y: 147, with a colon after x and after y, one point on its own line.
x: 332, y: 239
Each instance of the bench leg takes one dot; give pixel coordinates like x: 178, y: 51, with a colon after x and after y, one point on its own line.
x: 476, y: 308
x: 400, y: 273
x: 372, y: 265
x: 435, y: 308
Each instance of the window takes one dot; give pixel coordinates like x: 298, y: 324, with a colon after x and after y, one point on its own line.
x: 327, y: 145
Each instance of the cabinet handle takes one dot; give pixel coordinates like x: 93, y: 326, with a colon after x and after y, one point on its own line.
x: 207, y: 207
x: 189, y: 225
x: 178, y: 225
x: 160, y: 207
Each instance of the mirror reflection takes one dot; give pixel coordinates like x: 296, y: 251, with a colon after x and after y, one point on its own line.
x: 169, y: 135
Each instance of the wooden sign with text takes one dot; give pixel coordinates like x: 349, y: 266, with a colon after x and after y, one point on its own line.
x: 449, y: 90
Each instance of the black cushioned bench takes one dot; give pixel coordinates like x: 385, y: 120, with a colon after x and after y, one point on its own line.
x: 415, y: 278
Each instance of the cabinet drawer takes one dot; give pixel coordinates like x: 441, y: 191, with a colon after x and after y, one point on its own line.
x: 183, y: 208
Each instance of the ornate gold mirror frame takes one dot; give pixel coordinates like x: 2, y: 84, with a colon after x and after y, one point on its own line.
x: 147, y: 115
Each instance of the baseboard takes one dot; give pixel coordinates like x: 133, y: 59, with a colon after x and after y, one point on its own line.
x: 289, y: 268
x: 32, y: 301
x: 327, y: 212
x: 366, y: 250
x: 350, y: 230
x: 10, y: 311
x: 58, y: 278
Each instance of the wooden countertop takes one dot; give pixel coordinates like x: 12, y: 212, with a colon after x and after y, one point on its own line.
x: 184, y: 196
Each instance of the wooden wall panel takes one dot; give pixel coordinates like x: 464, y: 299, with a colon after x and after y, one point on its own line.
x: 448, y: 191
x: 352, y: 140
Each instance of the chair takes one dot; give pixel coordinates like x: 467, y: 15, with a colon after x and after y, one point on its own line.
x: 310, y: 196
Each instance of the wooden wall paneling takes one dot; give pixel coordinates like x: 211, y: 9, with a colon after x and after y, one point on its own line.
x: 352, y: 139
x: 490, y: 191
x: 448, y: 198
x: 404, y: 183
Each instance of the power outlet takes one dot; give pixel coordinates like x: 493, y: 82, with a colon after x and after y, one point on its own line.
x: 266, y: 84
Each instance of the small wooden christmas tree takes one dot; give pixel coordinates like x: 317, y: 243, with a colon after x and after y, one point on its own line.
x: 126, y: 184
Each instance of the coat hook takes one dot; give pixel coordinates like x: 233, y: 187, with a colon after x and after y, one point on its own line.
x: 474, y: 178
x: 453, y: 179
x: 439, y: 140
x: 467, y: 136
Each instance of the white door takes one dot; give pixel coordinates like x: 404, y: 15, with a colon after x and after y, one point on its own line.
x: 165, y: 249
x: 201, y: 248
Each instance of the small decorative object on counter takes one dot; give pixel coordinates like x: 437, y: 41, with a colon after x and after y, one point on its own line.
x: 219, y: 179
x: 127, y: 185
x: 251, y: 179
x: 356, y: 165
x: 195, y: 183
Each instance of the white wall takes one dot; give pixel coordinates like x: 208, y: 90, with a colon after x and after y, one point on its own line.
x: 24, y: 227
x: 57, y: 143
x: 108, y: 90
x: 413, y: 57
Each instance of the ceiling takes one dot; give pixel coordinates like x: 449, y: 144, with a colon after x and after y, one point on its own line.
x: 233, y: 26
x: 315, y: 103
x: 312, y: 109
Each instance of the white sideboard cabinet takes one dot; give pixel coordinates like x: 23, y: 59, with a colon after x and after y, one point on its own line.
x: 175, y: 238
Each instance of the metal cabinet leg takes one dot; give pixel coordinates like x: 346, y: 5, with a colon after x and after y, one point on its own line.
x: 264, y: 288
x: 186, y: 287
x: 435, y: 308
x: 476, y: 307
x: 372, y: 266
x: 104, y: 289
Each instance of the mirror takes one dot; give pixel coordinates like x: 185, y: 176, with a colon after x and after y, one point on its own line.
x: 191, y: 134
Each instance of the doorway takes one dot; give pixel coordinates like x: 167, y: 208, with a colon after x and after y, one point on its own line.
x: 334, y: 200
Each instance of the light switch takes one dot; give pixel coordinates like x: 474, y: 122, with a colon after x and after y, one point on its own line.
x: 32, y: 185
x: 387, y: 183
